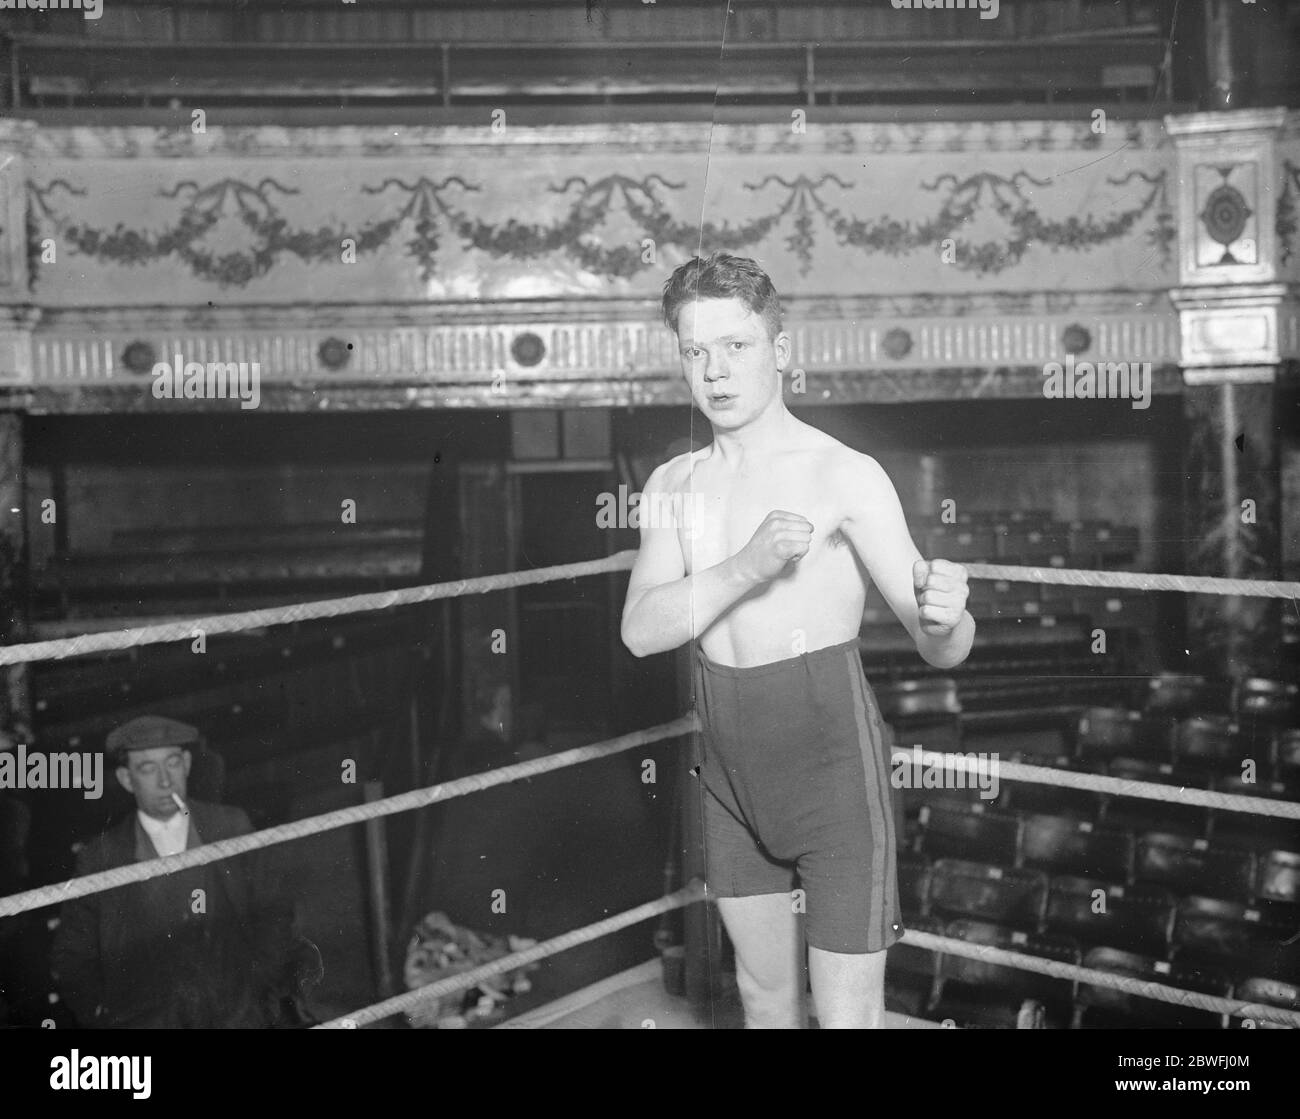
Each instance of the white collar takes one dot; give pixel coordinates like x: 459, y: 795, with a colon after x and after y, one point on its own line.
x: 169, y: 836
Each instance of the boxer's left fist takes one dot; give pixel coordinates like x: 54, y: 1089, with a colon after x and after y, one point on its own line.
x: 941, y: 594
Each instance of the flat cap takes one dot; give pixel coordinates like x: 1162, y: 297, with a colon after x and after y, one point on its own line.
x: 148, y: 732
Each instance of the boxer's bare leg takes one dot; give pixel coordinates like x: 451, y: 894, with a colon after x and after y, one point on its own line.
x: 848, y: 990
x: 765, y: 932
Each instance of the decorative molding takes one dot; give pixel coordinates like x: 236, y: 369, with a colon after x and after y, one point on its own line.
x: 82, y: 350
x: 1226, y: 185
x: 429, y: 212
x: 1212, y: 127
x: 1230, y: 375
x: 1230, y: 325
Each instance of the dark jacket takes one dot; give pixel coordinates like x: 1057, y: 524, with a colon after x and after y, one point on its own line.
x: 141, y: 955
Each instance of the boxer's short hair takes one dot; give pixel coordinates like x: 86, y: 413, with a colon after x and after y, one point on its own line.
x: 723, y: 276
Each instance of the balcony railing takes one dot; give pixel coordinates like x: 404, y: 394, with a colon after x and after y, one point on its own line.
x: 47, y: 71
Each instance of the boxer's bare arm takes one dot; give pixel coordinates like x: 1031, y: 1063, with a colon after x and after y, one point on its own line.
x: 666, y: 607
x: 875, y: 526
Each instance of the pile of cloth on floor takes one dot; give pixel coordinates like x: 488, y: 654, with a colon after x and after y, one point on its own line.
x: 439, y: 949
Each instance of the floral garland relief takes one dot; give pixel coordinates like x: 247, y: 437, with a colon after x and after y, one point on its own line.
x: 425, y: 212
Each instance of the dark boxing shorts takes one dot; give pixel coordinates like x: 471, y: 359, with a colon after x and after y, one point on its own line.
x: 795, y: 771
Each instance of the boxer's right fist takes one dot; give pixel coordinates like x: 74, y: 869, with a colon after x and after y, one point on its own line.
x: 781, y: 539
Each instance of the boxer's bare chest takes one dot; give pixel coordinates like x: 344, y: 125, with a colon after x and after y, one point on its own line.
x: 723, y: 508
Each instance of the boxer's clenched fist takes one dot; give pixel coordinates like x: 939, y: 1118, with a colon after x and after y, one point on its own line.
x: 941, y: 593
x: 781, y: 538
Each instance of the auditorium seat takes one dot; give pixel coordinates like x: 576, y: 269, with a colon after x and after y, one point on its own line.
x: 1094, y: 543
x: 1099, y: 1007
x: 1036, y: 738
x: 923, y: 712
x: 1003, y: 895
x: 975, y: 994
x: 1178, y: 696
x: 1267, y: 702
x: 1061, y: 845
x: 1135, y: 918
x: 1277, y: 882
x: 1286, y: 756
x: 968, y: 833
x: 1193, y: 866
x: 1266, y: 992
x: 1107, y: 732
x: 1212, y: 745
x: 1045, y: 544
x: 1237, y: 939
x: 1144, y: 813
x: 1128, y: 610
x: 1249, y: 829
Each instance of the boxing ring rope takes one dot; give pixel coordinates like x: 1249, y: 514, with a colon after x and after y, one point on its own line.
x: 117, y: 639
x: 1098, y: 783
x: 234, y: 622
x: 986, y: 953
x: 1134, y: 580
x: 314, y: 825
x: 463, y: 981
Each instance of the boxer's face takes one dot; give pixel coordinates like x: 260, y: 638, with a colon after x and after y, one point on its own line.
x: 733, y: 367
x: 151, y: 776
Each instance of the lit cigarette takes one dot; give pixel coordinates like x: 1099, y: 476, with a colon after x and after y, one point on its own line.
x: 179, y: 803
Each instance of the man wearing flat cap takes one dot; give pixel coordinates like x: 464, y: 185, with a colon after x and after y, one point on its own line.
x: 206, y: 947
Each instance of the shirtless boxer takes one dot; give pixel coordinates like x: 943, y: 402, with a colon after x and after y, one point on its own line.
x: 760, y: 549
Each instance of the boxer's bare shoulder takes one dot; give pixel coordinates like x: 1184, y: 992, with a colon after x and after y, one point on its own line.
x: 674, y: 476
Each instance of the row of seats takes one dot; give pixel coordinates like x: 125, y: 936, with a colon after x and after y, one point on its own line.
x: 1243, y: 939
x: 1033, y: 541
x: 1067, y: 845
x: 1211, y: 742
x: 1168, y: 694
x: 1260, y: 744
x: 973, y: 994
x: 1049, y: 605
x: 1165, y: 699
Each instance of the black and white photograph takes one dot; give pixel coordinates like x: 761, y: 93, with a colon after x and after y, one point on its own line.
x: 651, y: 514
